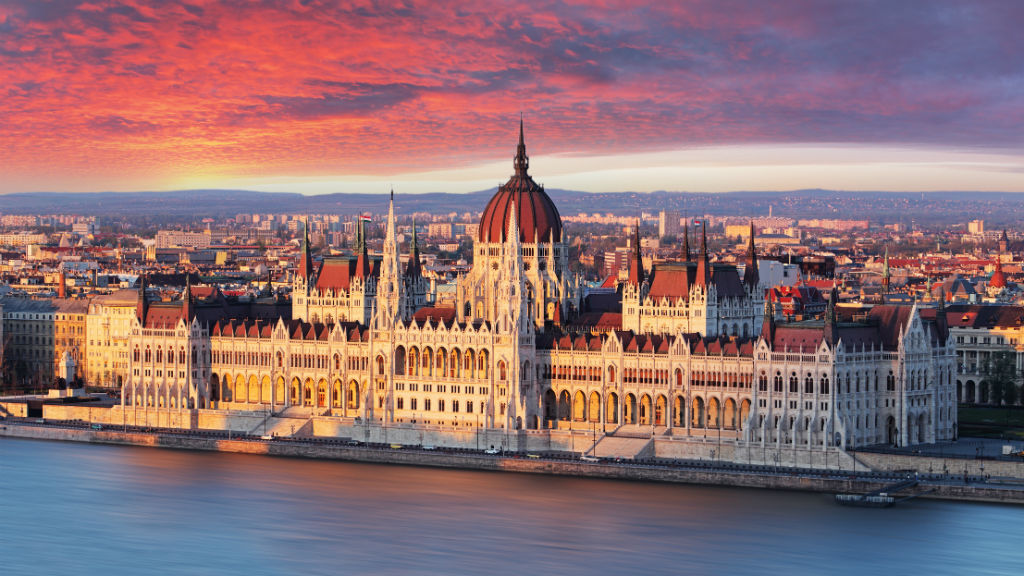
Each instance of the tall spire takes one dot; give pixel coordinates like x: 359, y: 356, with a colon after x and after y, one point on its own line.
x: 831, y: 323
x: 512, y: 234
x: 141, y: 306
x: 768, y: 327
x: 703, y: 265
x: 686, y: 240
x: 885, y: 271
x: 751, y: 277
x: 362, y: 259
x: 941, y: 321
x: 636, y: 263
x: 414, y: 269
x: 186, y: 299
x: 389, y: 300
x: 522, y: 161
x: 306, y: 260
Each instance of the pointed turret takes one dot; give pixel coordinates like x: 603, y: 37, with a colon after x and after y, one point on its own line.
x: 831, y: 324
x: 686, y: 241
x: 522, y: 161
x: 362, y: 259
x: 414, y: 269
x: 703, y: 265
x: 751, y: 277
x: 636, y: 263
x: 885, y: 272
x: 306, y: 260
x: 768, y: 326
x: 941, y: 321
x: 390, y: 296
x: 1004, y: 242
x: 142, y: 306
x: 186, y: 299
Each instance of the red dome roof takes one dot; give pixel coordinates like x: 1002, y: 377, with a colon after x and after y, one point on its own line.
x: 536, y: 214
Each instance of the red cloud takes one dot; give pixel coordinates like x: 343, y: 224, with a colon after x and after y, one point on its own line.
x: 162, y: 90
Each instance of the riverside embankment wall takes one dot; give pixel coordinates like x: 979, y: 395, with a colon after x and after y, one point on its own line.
x: 709, y: 449
x: 633, y: 472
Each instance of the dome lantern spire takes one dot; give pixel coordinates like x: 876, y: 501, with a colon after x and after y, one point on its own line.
x: 522, y: 161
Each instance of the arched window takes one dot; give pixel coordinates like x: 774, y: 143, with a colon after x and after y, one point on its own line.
x: 824, y: 385
x: 380, y: 365
x: 809, y: 384
x: 502, y: 371
x: 778, y: 382
x: 762, y: 382
x: 793, y: 384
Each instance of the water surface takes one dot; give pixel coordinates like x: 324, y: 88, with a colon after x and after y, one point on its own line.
x: 90, y: 509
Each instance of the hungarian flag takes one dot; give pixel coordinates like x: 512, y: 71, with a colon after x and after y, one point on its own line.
x: 365, y: 218
x: 697, y: 222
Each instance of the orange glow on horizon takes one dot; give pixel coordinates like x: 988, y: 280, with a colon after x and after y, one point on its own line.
x: 133, y: 94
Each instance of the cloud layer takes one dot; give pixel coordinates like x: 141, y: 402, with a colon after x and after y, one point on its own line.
x: 107, y: 94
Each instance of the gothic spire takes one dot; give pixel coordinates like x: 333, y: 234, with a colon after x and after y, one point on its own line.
x: 636, y: 263
x: 751, y: 277
x: 306, y: 260
x: 703, y: 265
x: 686, y: 240
x: 941, y: 321
x: 362, y: 259
x: 186, y: 299
x: 885, y: 271
x: 768, y: 326
x: 522, y: 161
x: 831, y: 323
x: 414, y: 270
x: 141, y: 307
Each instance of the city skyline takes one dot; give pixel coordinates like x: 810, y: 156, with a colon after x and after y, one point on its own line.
x: 705, y: 97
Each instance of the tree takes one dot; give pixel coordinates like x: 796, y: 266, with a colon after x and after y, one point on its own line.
x: 1000, y: 378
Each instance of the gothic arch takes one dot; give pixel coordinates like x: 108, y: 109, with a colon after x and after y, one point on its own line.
x: 629, y: 415
x: 594, y: 412
x: 564, y: 405
x: 699, y: 416
x: 660, y: 410
x: 579, y: 406
x: 729, y: 420
x: 679, y: 411
x: 611, y: 415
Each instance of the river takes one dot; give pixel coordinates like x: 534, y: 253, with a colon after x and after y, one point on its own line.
x: 70, y: 508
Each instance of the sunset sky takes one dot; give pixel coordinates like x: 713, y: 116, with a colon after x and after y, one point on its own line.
x: 426, y: 96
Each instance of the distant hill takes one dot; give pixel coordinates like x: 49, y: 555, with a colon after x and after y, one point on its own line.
x: 995, y: 207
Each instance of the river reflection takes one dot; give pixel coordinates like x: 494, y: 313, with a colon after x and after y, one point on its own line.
x: 72, y: 508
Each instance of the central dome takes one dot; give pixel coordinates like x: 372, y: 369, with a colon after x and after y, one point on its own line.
x: 535, y: 212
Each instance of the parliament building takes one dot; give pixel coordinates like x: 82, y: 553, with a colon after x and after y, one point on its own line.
x: 694, y: 352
